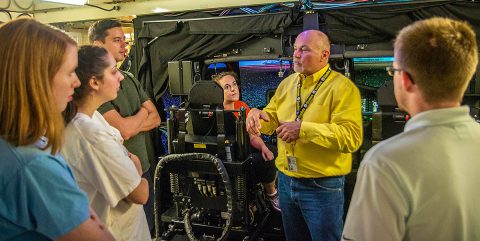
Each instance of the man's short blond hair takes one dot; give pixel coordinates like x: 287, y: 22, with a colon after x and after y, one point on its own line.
x: 440, y: 55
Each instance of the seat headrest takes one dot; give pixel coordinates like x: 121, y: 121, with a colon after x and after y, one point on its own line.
x: 206, y: 92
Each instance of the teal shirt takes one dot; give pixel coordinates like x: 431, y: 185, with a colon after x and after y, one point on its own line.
x: 39, y: 197
x: 128, y: 102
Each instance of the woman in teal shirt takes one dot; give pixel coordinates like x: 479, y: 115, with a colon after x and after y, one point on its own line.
x: 39, y: 197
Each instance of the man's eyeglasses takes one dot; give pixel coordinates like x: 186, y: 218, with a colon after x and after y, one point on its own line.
x: 391, y: 71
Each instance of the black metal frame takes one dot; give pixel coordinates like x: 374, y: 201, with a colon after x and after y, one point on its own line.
x: 183, y: 207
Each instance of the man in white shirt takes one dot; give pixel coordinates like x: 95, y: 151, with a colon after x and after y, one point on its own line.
x: 423, y: 184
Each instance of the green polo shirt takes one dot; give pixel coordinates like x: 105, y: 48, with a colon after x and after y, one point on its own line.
x: 129, y: 100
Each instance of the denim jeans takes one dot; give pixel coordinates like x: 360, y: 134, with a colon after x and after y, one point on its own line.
x: 312, y: 208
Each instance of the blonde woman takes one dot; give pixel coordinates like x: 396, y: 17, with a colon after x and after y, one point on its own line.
x: 39, y: 198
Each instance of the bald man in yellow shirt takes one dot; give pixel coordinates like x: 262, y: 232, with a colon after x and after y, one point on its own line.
x: 316, y: 114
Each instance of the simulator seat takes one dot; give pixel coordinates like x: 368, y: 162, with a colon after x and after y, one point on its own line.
x: 204, y: 189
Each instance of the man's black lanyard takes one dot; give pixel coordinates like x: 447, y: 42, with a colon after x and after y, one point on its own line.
x: 300, y: 111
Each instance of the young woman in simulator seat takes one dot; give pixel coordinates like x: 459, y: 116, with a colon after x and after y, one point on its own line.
x: 104, y: 168
x: 39, y: 198
x: 265, y: 169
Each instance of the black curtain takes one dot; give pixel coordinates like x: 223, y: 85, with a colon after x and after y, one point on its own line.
x: 176, y: 39
x: 198, y: 35
x: 381, y: 23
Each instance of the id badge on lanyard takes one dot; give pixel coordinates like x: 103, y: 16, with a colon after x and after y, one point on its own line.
x: 300, y: 110
x: 292, y: 164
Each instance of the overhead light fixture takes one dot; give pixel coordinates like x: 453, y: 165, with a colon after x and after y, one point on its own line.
x: 73, y: 2
x: 160, y: 10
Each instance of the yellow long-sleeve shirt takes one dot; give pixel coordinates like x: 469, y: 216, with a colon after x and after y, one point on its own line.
x: 331, y: 126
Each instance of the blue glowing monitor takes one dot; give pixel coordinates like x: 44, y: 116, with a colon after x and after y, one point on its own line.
x: 259, y: 77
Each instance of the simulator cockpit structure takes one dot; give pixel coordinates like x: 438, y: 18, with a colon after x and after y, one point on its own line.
x: 205, y: 190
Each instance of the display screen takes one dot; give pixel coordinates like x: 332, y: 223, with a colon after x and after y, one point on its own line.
x: 258, y: 77
x: 371, y: 71
x: 369, y: 75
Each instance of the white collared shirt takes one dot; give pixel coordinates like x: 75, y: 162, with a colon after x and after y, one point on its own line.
x: 422, y: 184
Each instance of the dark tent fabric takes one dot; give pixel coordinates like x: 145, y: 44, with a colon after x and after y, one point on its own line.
x: 198, y: 35
x: 164, y: 41
x: 380, y: 23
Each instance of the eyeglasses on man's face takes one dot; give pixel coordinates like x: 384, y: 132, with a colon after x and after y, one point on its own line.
x: 391, y: 70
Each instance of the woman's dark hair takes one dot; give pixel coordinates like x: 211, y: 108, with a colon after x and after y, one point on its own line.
x: 92, y: 61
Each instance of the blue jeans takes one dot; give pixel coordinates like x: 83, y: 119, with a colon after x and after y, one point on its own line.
x: 312, y: 208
